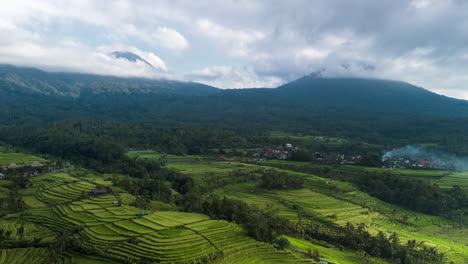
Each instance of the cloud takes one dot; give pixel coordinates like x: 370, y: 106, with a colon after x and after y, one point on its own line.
x: 259, y: 43
x: 236, y: 42
x: 233, y: 77
x: 22, y: 47
x: 160, y: 36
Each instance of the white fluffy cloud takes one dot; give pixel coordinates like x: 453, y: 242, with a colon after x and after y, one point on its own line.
x: 236, y: 42
x: 233, y: 77
x: 22, y: 47
x: 59, y: 36
x: 160, y: 36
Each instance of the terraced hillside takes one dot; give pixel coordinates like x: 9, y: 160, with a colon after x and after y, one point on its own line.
x: 8, y: 156
x: 60, y: 205
x: 325, y: 200
x: 24, y: 255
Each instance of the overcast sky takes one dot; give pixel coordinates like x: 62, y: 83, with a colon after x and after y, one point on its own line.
x: 245, y: 43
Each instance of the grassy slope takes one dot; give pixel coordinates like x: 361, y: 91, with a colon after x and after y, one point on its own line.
x: 7, y: 157
x: 445, y: 179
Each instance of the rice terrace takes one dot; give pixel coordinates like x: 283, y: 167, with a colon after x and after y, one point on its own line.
x: 233, y: 132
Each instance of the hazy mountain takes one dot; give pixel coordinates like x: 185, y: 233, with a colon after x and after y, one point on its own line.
x: 30, y: 80
x: 369, y: 94
x: 31, y: 94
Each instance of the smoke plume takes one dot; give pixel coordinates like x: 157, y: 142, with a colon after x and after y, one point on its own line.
x: 437, y: 158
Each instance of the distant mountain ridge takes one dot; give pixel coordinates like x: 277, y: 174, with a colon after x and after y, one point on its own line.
x: 381, y: 95
x: 32, y: 94
x: 31, y: 80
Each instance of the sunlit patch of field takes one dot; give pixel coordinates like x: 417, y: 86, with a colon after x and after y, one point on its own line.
x: 171, y: 159
x: 12, y: 224
x: 330, y: 254
x: 19, y: 158
x: 25, y: 255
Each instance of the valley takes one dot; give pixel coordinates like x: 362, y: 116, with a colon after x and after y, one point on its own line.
x: 103, y: 170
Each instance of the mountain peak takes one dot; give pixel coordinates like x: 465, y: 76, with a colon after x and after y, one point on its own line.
x: 130, y: 56
x: 316, y: 74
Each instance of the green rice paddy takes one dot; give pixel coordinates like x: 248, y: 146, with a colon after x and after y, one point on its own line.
x: 339, y: 202
x: 61, y: 202
x: 19, y: 158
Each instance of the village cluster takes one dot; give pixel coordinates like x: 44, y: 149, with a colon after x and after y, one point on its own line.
x: 281, y: 152
x: 284, y: 152
x: 28, y: 168
x: 33, y: 168
x: 415, y: 163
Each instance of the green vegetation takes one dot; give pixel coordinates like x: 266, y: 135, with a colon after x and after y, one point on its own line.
x: 327, y: 200
x: 7, y: 158
x: 186, y: 193
x: 66, y: 215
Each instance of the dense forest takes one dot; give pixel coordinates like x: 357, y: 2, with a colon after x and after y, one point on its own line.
x: 375, y: 111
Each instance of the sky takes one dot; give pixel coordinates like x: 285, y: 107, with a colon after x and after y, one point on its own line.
x: 244, y: 43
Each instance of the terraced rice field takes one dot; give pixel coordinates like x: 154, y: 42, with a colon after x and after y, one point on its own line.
x: 339, y: 202
x: 21, y: 230
x: 171, y: 159
x: 24, y: 255
x: 320, y: 206
x: 4, y: 184
x: 114, y: 230
x: 445, y: 179
x: 19, y: 158
x: 58, y: 188
x: 330, y: 254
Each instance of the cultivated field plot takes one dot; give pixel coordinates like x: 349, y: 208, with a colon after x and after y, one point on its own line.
x: 445, y: 179
x: 24, y: 255
x: 171, y: 159
x: 123, y: 232
x: 19, y: 158
x: 331, y: 254
x: 60, y: 188
x: 339, y: 202
x: 4, y: 184
x: 319, y: 207
x: 16, y: 230
x: 79, y: 258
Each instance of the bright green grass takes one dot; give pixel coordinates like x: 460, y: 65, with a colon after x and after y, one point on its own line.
x: 153, y: 155
x: 322, y: 206
x: 160, y: 206
x: 4, y: 184
x: 13, y: 223
x: 162, y: 236
x: 24, y: 255
x: 78, y: 258
x: 330, y: 254
x: 445, y: 179
x: 344, y: 202
x: 206, y: 174
x: 33, y: 202
x: 57, y: 188
x: 18, y: 158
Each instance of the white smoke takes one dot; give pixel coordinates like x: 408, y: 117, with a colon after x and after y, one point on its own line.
x: 447, y: 160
